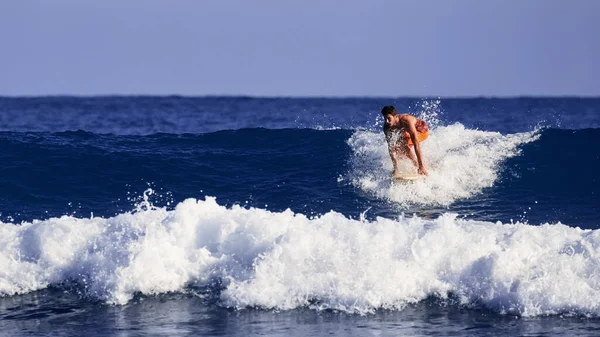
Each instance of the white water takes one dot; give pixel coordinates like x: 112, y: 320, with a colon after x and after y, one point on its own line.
x: 284, y: 260
x: 461, y: 163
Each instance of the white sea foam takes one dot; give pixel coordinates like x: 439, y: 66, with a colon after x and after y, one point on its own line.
x: 461, y: 163
x: 282, y: 260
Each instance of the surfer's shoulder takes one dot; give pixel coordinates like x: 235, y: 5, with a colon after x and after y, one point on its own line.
x: 408, y: 118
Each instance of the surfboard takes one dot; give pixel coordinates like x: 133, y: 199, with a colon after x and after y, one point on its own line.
x: 407, y: 177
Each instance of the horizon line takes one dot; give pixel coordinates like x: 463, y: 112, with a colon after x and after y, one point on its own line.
x: 569, y: 96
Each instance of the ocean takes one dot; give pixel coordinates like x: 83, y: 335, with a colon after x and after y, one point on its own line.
x: 245, y: 216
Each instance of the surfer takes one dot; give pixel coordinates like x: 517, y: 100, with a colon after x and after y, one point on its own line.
x: 403, y: 131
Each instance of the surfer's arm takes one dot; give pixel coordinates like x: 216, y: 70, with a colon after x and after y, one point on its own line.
x: 412, y: 130
x: 388, y: 138
x: 391, y: 149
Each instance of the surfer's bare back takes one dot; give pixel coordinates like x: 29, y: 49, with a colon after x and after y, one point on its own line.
x: 403, y: 131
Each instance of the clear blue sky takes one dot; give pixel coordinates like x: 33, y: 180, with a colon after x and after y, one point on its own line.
x: 300, y: 48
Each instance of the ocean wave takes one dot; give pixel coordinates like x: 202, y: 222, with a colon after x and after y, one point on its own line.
x: 542, y: 176
x: 285, y: 260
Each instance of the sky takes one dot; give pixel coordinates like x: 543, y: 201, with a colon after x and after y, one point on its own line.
x: 381, y: 48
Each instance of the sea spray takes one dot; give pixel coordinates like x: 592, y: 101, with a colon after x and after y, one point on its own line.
x: 461, y: 163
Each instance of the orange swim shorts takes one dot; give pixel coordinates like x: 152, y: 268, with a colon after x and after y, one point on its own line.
x: 421, y: 136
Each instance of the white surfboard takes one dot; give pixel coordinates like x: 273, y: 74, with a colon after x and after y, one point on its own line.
x: 407, y: 177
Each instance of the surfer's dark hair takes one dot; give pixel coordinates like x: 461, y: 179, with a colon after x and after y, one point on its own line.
x: 389, y: 110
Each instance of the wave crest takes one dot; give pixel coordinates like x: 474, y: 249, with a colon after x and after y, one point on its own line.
x: 284, y: 260
x: 461, y: 162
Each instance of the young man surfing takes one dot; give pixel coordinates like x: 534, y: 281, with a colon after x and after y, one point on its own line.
x: 403, y: 131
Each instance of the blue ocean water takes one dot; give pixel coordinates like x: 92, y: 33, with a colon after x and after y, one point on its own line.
x: 276, y: 216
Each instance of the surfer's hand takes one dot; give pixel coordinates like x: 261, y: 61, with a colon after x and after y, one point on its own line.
x: 422, y: 170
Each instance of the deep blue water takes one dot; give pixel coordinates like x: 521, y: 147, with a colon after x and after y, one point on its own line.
x: 87, y: 183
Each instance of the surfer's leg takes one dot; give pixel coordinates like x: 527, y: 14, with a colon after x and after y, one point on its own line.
x: 407, y: 151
